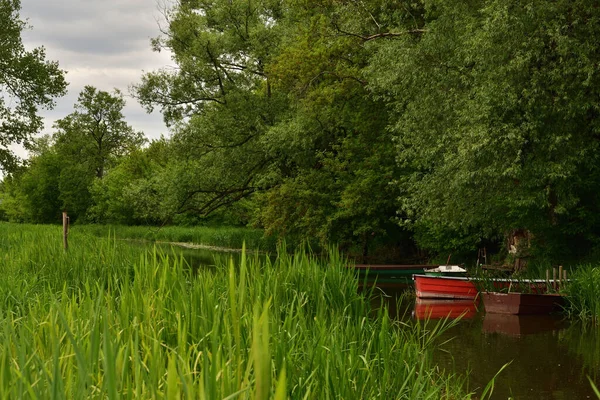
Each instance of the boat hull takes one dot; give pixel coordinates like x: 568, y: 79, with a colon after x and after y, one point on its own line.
x: 522, y: 303
x: 440, y: 287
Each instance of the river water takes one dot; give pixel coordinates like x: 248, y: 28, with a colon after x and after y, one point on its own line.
x: 548, y: 357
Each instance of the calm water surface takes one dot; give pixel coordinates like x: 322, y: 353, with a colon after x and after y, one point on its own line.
x: 548, y: 356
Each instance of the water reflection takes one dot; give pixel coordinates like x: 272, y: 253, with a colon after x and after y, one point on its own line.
x: 549, y: 357
x: 583, y: 342
x: 426, y: 309
x: 518, y: 325
x: 194, y: 258
x: 541, y: 366
x: 398, y: 302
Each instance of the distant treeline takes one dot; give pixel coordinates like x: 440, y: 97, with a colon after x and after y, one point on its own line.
x: 444, y: 126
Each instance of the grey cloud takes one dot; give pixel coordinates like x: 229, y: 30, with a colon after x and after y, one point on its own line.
x: 105, y: 44
x: 105, y: 27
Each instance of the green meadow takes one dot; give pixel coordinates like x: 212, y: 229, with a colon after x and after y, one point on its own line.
x: 109, y: 320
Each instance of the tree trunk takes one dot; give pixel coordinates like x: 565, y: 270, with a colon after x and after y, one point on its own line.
x: 518, y: 246
x: 365, y: 247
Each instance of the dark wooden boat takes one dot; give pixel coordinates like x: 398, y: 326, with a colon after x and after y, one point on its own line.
x: 522, y: 303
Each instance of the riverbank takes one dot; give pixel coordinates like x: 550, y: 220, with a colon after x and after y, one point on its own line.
x: 105, y: 319
x: 222, y: 237
x: 583, y: 292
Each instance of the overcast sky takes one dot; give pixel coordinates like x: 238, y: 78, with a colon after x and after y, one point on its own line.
x: 103, y: 43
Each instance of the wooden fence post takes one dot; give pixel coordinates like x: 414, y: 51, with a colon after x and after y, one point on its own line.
x: 560, y: 276
x: 65, y: 220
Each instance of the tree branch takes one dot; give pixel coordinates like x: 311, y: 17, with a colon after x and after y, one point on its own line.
x: 382, y: 34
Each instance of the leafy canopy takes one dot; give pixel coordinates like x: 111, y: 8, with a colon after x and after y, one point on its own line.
x: 28, y: 82
x: 496, y: 116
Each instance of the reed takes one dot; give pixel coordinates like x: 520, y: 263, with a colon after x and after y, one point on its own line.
x: 106, y: 320
x: 596, y: 391
x: 583, y: 293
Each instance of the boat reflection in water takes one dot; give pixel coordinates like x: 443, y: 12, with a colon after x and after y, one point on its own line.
x: 437, y: 309
x: 519, y: 325
x: 511, y: 325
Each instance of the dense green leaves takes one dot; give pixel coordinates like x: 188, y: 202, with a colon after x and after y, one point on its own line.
x: 497, y: 116
x: 96, y: 134
x: 279, y: 112
x: 28, y: 82
x: 63, y: 169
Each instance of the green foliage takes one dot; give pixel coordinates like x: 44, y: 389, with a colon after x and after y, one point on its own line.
x: 74, y: 186
x: 450, y: 123
x: 95, y: 135
x: 40, y: 188
x: 12, y: 200
x: 120, y: 196
x: 63, y: 170
x: 221, y: 48
x: 579, y: 339
x: 28, y: 82
x: 496, y: 120
x: 32, y: 193
x: 596, y: 391
x: 277, y: 111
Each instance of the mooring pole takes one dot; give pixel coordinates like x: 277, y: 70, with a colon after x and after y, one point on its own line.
x: 65, y: 230
x: 560, y: 276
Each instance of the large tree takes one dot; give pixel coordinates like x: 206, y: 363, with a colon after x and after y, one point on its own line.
x: 218, y: 99
x: 64, y: 169
x: 28, y: 82
x: 90, y: 141
x: 269, y: 98
x: 497, y: 120
x: 96, y: 133
x: 343, y: 158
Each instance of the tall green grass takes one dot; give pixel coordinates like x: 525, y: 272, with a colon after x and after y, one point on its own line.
x: 105, y: 320
x: 583, y: 293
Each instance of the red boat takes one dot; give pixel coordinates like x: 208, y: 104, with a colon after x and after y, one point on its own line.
x: 453, y: 287
x: 426, y: 309
x: 522, y: 303
x: 444, y: 287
